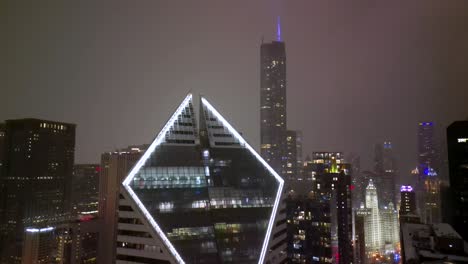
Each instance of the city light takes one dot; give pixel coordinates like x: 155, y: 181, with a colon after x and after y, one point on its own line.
x: 39, y: 230
x: 159, y: 139
x: 406, y: 188
x: 270, y: 169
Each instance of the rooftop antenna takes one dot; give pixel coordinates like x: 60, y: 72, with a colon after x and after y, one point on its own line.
x: 278, y: 29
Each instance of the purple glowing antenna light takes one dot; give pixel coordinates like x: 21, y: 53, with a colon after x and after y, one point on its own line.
x: 278, y: 29
x: 406, y: 188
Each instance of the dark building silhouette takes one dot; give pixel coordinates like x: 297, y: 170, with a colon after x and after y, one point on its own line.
x: 36, y: 177
x: 291, y: 171
x: 385, y: 171
x: 309, y: 228
x: 457, y: 141
x: 85, y: 188
x: 428, y: 182
x: 427, y: 154
x: 360, y: 235
x: 408, y: 200
x: 273, y: 104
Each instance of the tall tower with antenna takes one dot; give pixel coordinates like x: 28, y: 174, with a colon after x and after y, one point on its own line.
x: 273, y: 102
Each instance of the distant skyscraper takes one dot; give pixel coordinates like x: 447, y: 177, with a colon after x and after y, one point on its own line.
x: 36, y: 174
x: 428, y: 185
x: 299, y: 160
x: 200, y: 196
x: 426, y: 148
x: 380, y: 224
x: 85, y: 188
x: 408, y: 200
x: 385, y: 170
x: 457, y: 141
x: 292, y: 168
x: 372, y: 222
x: 273, y: 104
x: 115, y: 166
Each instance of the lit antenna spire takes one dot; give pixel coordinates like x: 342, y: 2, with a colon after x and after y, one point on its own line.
x: 278, y: 29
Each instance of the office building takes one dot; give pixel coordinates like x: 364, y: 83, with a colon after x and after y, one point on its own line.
x: 358, y: 180
x: 299, y: 160
x: 373, y: 230
x: 200, y: 196
x: 115, y: 166
x: 427, y: 154
x: 385, y: 170
x: 38, y: 244
x: 293, y: 147
x: 390, y: 229
x: 361, y: 214
x: 70, y: 241
x: 309, y: 228
x: 36, y: 175
x: 457, y: 141
x: 328, y: 183
x: 428, y: 182
x: 273, y: 104
x: 85, y: 188
x: 84, y: 234
x: 408, y: 200
x: 380, y: 225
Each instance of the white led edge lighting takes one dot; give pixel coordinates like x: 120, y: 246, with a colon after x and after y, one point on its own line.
x: 270, y: 169
x: 41, y: 230
x: 156, y: 142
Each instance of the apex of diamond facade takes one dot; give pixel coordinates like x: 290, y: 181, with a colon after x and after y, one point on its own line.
x: 203, y: 191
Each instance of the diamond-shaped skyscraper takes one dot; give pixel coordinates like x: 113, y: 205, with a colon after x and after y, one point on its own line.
x: 198, y: 195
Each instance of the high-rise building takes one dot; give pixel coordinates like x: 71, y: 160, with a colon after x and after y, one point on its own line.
x: 2, y: 182
x: 380, y: 225
x: 427, y: 155
x: 358, y: 180
x: 200, y: 196
x: 457, y: 141
x: 408, y: 200
x: 428, y: 184
x: 328, y: 182
x: 292, y: 169
x: 361, y: 214
x: 85, y: 188
x: 309, y: 228
x: 38, y: 243
x: 389, y: 228
x: 115, y: 166
x: 71, y: 241
x: 36, y: 175
x: 273, y: 104
x: 299, y: 160
x: 373, y: 230
x: 385, y: 170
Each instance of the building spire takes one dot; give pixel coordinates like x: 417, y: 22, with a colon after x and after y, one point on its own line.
x: 278, y: 29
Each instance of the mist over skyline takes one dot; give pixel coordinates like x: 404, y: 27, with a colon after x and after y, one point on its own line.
x: 357, y: 74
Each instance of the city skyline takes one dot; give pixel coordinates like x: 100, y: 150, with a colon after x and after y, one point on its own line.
x: 335, y: 53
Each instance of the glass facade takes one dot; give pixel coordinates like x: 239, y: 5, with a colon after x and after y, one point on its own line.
x: 208, y: 192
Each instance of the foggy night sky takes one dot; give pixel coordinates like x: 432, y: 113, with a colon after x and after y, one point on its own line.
x: 358, y: 72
